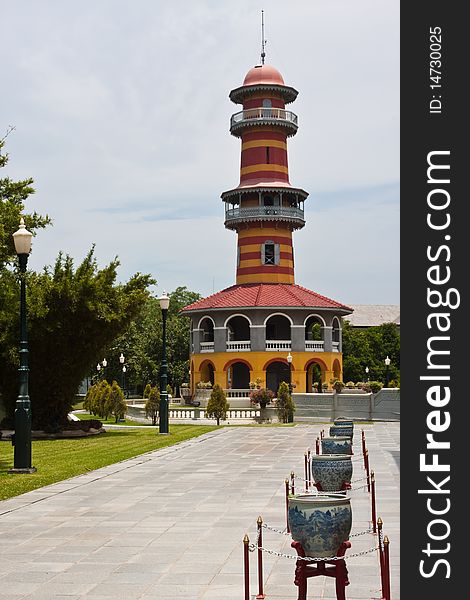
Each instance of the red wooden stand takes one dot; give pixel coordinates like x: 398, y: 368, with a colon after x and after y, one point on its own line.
x: 329, y: 568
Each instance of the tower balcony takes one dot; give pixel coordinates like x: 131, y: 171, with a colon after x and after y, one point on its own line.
x: 237, y: 215
x: 264, y: 116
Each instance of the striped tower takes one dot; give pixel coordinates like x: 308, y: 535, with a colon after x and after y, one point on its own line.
x: 264, y: 208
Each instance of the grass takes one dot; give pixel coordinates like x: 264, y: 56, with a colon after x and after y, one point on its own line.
x: 111, y: 421
x: 57, y: 460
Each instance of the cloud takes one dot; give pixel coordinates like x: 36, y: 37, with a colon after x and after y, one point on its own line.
x: 122, y: 115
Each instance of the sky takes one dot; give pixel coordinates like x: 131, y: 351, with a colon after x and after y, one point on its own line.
x: 121, y: 116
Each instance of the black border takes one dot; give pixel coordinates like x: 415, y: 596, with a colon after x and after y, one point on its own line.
x: 422, y: 132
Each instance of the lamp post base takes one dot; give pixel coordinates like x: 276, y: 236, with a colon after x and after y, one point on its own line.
x: 22, y: 470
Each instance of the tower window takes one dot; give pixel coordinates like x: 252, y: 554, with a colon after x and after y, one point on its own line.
x: 270, y: 253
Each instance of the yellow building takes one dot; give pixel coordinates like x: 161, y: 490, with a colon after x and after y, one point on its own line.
x: 265, y: 327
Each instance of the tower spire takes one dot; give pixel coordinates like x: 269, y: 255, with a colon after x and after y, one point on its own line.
x: 263, y: 41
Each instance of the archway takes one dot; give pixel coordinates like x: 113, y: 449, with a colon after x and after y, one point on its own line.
x: 315, y: 373
x: 207, y: 329
x: 314, y: 330
x: 207, y: 372
x: 238, y: 329
x: 238, y: 376
x: 276, y: 372
x: 278, y: 328
x: 336, y: 369
x: 336, y: 331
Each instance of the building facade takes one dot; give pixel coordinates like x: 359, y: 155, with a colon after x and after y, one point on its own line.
x: 265, y: 327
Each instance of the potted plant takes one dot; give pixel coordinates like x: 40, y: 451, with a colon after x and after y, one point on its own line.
x: 262, y: 397
x: 338, y: 386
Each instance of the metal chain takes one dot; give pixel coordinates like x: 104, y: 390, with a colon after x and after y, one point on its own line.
x: 285, y: 532
x: 253, y: 547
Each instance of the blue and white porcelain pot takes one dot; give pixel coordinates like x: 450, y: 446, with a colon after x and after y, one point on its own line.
x: 346, y: 430
x: 336, y: 445
x: 344, y: 421
x: 331, y: 471
x: 320, y: 523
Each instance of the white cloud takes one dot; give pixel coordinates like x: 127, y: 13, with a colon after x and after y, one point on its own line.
x: 122, y: 118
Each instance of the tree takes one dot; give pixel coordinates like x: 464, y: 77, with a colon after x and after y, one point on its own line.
x: 147, y: 390
x: 116, y: 403
x: 285, y: 406
x: 217, y: 406
x: 152, y: 406
x: 368, y: 348
x: 74, y: 315
x: 12, y: 197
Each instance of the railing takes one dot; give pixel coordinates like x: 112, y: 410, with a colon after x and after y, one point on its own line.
x: 263, y: 114
x: 238, y: 393
x: 264, y: 211
x: 278, y: 345
x: 241, y: 413
x: 335, y: 346
x: 238, y: 346
x: 316, y: 345
x: 207, y: 346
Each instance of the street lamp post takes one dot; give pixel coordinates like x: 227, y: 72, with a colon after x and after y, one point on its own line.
x: 124, y: 378
x: 387, y: 362
x: 22, y: 439
x: 163, y: 409
x: 121, y: 360
x: 289, y: 361
x: 367, y: 374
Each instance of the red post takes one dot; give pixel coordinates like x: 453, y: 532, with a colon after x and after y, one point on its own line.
x: 260, y: 595
x: 306, y: 471
x: 381, y: 556
x: 387, y: 567
x: 287, y: 505
x: 367, y: 470
x: 246, y: 566
x: 374, y: 524
x: 363, y: 439
x: 309, y: 467
x: 292, y: 482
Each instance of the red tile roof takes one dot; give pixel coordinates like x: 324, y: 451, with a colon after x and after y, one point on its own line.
x: 265, y: 295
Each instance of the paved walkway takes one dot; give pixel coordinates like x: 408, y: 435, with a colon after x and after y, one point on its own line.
x: 169, y: 524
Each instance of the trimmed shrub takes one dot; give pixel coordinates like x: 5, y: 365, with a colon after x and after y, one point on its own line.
x: 147, y: 389
x: 116, y: 403
x: 152, y: 405
x: 285, y: 406
x: 217, y: 405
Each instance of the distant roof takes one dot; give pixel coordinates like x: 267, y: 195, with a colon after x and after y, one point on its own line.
x: 258, y: 295
x: 370, y: 315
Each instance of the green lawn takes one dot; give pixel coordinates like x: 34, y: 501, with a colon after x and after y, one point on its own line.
x: 56, y: 460
x: 111, y: 421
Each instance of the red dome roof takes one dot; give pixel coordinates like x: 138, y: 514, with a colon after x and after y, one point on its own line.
x: 263, y: 74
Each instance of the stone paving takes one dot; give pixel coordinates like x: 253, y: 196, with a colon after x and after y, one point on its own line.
x: 169, y: 524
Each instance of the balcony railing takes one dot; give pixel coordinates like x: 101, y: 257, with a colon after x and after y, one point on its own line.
x: 278, y: 345
x: 316, y: 346
x: 264, y: 212
x: 277, y: 115
x: 238, y: 346
x: 207, y: 346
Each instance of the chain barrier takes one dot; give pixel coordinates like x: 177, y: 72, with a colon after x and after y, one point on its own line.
x: 320, y: 492
x: 285, y: 532
x: 253, y: 547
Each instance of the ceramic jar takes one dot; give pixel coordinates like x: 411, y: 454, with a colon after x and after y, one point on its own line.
x: 336, y: 445
x: 340, y: 430
x: 331, y: 471
x: 320, y: 523
x: 344, y: 421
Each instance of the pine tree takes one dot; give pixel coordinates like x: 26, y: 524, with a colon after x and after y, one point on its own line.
x: 116, y: 404
x: 285, y: 406
x: 152, y: 406
x: 217, y: 406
